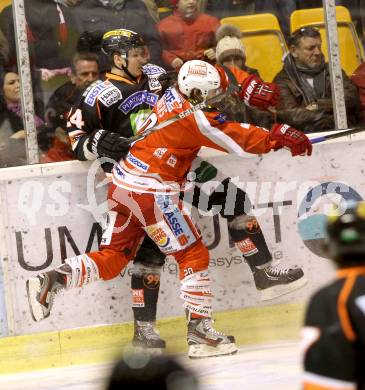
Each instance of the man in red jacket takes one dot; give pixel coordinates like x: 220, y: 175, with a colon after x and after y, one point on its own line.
x: 187, y: 34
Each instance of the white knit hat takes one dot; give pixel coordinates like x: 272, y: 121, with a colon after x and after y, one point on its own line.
x: 229, y: 43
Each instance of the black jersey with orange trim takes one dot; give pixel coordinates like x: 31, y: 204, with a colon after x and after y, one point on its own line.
x: 115, y: 104
x: 334, y: 334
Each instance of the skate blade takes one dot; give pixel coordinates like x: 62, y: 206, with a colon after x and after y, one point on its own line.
x: 199, y: 351
x: 282, y: 289
x: 33, y: 285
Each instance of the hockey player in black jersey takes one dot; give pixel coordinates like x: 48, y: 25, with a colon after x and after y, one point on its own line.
x: 334, y: 332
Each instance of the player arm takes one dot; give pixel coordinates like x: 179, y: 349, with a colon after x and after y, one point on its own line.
x: 79, y: 134
x: 231, y: 137
x: 242, y: 138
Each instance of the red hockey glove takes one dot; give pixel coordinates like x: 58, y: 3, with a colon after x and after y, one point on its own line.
x: 293, y: 139
x: 255, y: 92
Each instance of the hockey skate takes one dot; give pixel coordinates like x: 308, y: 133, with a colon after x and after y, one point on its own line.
x: 272, y: 281
x: 147, y: 338
x: 205, y: 341
x: 41, y: 291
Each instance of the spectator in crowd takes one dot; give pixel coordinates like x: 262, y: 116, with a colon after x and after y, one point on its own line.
x: 334, y: 331
x: 84, y: 71
x: 12, y: 133
x: 47, y: 33
x: 152, y: 9
x: 95, y: 16
x: 231, y: 55
x: 4, y: 52
x: 187, y: 34
x: 305, y: 87
x: 151, y: 372
x: 358, y: 78
x: 224, y: 8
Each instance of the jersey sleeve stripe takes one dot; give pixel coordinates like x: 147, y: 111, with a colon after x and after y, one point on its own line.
x: 218, y: 137
x: 342, y: 308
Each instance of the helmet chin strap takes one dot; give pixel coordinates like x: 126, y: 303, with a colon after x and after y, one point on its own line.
x: 125, y: 68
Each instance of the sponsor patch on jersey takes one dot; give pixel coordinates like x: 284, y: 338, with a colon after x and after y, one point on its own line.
x: 158, y: 236
x: 172, y: 160
x: 159, y: 152
x: 137, y: 297
x: 110, y: 96
x: 136, y: 162
x: 221, y: 118
x: 175, y: 220
x: 151, y: 69
x: 93, y: 92
x: 154, y: 84
x: 173, y: 99
x: 136, y: 99
x: 247, y: 247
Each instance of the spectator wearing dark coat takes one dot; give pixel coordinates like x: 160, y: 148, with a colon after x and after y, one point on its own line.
x: 46, y: 31
x: 103, y: 15
x: 84, y: 71
x: 305, y: 87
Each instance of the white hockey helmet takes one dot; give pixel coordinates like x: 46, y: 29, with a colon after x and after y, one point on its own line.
x: 197, y: 74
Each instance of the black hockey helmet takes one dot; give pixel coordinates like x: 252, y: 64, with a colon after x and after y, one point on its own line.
x: 346, y: 235
x: 121, y: 41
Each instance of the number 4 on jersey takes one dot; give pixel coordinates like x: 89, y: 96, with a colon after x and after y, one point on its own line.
x: 76, y: 120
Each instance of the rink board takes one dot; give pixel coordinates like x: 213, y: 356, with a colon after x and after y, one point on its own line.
x: 105, y: 343
x: 50, y: 212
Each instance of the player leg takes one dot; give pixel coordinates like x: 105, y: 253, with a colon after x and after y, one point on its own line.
x: 175, y: 233
x: 120, y: 241
x: 235, y: 206
x: 145, y: 285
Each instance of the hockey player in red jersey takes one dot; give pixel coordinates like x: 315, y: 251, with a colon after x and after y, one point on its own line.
x: 144, y: 198
x: 334, y: 332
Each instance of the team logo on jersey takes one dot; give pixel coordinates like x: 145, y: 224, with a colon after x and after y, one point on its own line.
x: 137, y: 162
x: 95, y: 91
x: 137, y: 99
x: 159, y: 152
x: 172, y: 160
x: 110, y: 96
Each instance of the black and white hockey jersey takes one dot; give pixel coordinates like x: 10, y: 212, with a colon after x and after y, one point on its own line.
x: 334, y: 334
x: 115, y: 104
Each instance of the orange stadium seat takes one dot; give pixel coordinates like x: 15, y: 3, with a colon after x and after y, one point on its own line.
x: 351, y: 50
x: 264, y: 42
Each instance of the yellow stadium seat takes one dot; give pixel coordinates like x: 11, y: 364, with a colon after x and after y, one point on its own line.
x: 4, y: 3
x: 264, y: 42
x: 351, y: 50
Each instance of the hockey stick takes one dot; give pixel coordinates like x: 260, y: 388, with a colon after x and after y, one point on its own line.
x: 340, y: 134
x: 231, y: 88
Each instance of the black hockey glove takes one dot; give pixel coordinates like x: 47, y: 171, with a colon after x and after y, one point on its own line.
x: 107, y: 144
